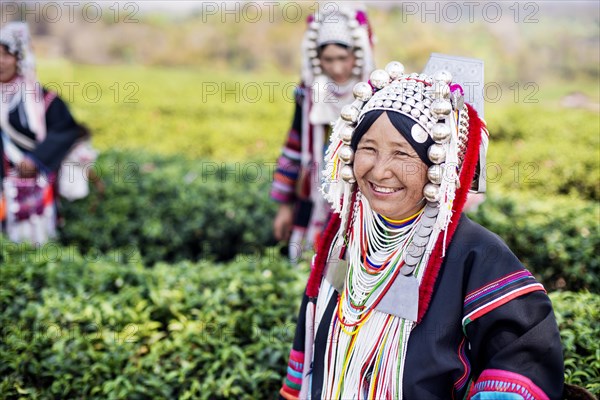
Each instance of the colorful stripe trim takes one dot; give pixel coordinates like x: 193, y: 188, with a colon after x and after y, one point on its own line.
x: 293, y: 380
x: 491, y: 296
x: 496, y: 380
x: 497, y: 285
x: 495, y: 303
x: 462, y: 356
x: 497, y: 396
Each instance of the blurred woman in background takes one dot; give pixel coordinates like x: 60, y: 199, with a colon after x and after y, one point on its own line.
x: 37, y: 132
x: 336, y: 54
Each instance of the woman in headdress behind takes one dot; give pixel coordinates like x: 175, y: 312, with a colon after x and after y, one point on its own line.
x: 336, y: 54
x: 37, y: 132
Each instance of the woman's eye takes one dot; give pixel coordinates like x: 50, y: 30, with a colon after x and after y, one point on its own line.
x: 367, y: 149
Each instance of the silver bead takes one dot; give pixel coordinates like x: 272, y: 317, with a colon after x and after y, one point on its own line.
x: 440, y: 90
x: 357, y: 33
x: 312, y: 34
x: 405, y: 108
x: 358, y: 104
x: 317, y: 70
x: 346, y: 135
x: 353, y: 24
x: 311, y: 45
x: 387, y: 103
x: 441, y: 108
x: 435, y: 174
x: 357, y: 71
x: 423, y: 119
x: 415, y: 112
x: 440, y: 133
x: 436, y: 153
x: 359, y: 63
x: 397, y: 105
x: 395, y: 69
x: 347, y: 174
x: 315, y: 62
x: 443, y: 75
x: 379, y: 78
x: 359, y: 53
x: 312, y: 53
x: 349, y: 113
x: 378, y: 103
x: 431, y: 192
x: 314, y: 25
x: 347, y: 154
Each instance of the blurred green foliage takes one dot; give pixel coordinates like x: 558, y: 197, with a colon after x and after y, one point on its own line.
x: 173, y: 209
x: 578, y: 317
x: 81, y: 326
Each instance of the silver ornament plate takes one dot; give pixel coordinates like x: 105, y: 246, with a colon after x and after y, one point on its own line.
x: 402, y: 299
x: 335, y: 273
x: 467, y: 72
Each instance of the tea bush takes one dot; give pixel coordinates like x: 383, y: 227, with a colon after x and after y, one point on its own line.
x: 557, y: 239
x: 578, y: 317
x: 81, y: 327
x: 173, y: 209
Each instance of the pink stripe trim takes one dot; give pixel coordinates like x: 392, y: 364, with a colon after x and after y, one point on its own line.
x: 503, y: 300
x: 503, y: 381
x: 297, y: 356
x: 501, y: 281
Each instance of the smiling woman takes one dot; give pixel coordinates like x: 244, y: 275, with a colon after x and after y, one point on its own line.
x: 407, y: 297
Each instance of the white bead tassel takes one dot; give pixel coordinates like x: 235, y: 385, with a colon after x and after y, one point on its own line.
x: 450, y: 178
x: 335, y: 190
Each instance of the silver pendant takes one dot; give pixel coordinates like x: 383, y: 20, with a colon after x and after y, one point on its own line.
x: 402, y: 299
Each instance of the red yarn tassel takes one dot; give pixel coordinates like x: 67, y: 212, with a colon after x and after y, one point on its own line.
x: 314, y: 280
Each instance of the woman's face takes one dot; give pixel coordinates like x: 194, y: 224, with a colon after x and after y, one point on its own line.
x: 8, y: 65
x: 389, y: 172
x: 337, y: 62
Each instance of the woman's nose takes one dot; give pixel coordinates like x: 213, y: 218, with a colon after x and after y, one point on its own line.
x: 381, y: 168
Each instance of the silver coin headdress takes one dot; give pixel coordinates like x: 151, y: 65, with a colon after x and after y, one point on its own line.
x: 344, y: 25
x: 439, y: 111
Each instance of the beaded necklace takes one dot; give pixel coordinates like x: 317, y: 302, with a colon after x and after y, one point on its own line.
x: 366, y: 349
x: 374, y: 261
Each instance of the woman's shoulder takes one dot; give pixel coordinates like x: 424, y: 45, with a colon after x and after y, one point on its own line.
x: 479, y: 249
x: 470, y: 233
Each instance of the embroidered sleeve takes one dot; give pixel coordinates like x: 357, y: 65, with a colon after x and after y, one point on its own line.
x: 498, y: 384
x: 520, y: 339
x: 293, y: 380
x: 287, y: 171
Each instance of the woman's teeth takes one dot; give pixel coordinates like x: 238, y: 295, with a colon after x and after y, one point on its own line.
x: 382, y: 189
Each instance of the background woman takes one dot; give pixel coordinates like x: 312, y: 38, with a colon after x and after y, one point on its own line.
x: 37, y: 132
x: 336, y: 53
